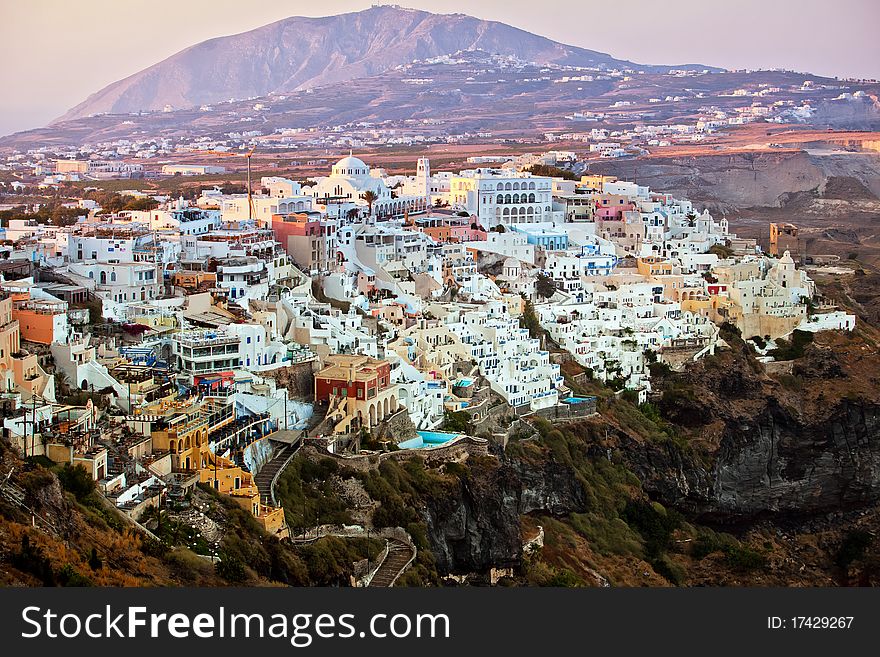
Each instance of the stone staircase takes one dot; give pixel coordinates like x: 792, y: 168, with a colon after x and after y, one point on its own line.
x: 268, y: 474
x: 398, y: 558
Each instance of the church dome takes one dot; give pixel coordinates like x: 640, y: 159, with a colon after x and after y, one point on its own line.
x: 350, y: 166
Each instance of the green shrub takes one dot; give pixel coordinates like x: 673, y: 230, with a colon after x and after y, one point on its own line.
x: 76, y: 480
x: 654, y: 523
x: 740, y: 557
x: 670, y: 570
x: 70, y: 576
x: 792, y: 349
x: 231, y: 569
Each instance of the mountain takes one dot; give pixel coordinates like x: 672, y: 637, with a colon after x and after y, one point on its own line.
x: 298, y: 53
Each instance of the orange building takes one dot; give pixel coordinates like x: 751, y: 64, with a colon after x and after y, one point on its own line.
x: 17, y: 367
x: 42, y: 321
x: 195, y: 280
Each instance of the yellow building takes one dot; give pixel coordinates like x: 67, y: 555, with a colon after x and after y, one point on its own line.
x: 654, y: 266
x: 596, y: 182
x: 182, y: 428
x: 230, y: 479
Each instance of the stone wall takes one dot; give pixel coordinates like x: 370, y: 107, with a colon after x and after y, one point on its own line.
x: 397, y: 427
x: 778, y: 367
x: 678, y: 358
x: 299, y: 379
x: 568, y: 411
x: 492, y: 418
x: 458, y: 449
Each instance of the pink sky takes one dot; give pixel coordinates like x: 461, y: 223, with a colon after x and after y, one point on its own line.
x: 55, y: 53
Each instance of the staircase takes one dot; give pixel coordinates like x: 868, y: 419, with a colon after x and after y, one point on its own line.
x: 398, y: 558
x: 268, y: 474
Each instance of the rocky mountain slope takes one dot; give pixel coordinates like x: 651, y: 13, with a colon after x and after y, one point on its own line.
x: 298, y: 52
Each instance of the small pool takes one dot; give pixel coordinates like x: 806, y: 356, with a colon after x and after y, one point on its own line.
x: 464, y: 383
x: 578, y: 400
x: 428, y: 439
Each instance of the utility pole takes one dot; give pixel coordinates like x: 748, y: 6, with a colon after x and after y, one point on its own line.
x: 33, y: 427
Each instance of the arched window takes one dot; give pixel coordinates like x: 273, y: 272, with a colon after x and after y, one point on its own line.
x: 531, y: 185
x: 506, y: 212
x: 516, y: 185
x: 103, y: 277
x: 91, y: 274
x: 500, y: 186
x: 516, y: 198
x: 112, y: 276
x: 507, y: 186
x: 531, y: 198
x: 500, y: 198
x: 507, y: 198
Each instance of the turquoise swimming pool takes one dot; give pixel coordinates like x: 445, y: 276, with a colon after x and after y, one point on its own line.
x: 464, y: 383
x: 428, y: 439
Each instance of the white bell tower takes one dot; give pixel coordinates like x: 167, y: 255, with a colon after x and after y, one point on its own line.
x: 423, y: 179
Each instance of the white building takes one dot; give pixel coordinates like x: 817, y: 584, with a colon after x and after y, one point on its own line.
x: 350, y: 179
x: 502, y: 196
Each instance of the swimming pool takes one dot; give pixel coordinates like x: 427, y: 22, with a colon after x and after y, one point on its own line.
x: 428, y: 439
x: 464, y: 383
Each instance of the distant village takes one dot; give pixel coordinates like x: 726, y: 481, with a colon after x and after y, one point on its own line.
x: 619, y: 129
x: 204, y: 341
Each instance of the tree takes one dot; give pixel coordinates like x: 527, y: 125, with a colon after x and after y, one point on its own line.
x: 529, y: 320
x: 544, y: 285
x: 141, y: 204
x: 231, y: 569
x: 553, y: 172
x: 370, y: 197
x: 77, y: 480
x: 94, y: 560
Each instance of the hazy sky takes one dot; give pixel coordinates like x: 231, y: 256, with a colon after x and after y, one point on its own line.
x: 54, y: 53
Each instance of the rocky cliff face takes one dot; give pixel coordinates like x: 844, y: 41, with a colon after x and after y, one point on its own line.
x: 479, y: 527
x: 768, y: 448
x: 732, y: 181
x: 774, y: 462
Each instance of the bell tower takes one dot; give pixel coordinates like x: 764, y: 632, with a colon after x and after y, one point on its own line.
x: 423, y: 179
